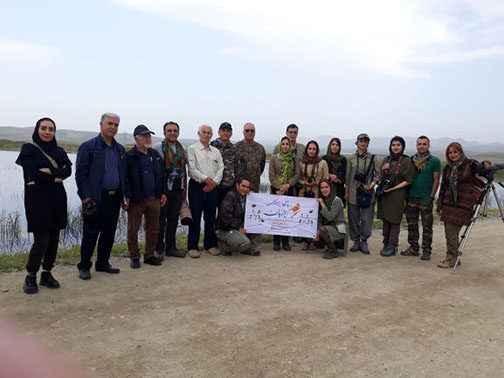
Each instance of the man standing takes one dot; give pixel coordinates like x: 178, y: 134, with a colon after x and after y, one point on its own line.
x: 102, y: 186
x: 174, y: 158
x: 205, y: 170
x: 146, y: 180
x: 361, y: 175
x: 420, y: 199
x: 250, y: 158
x: 230, y: 232
x: 224, y: 145
x: 297, y: 148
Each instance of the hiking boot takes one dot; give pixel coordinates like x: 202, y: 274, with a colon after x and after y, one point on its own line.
x: 153, y: 260
x: 194, y: 253
x: 445, y: 264
x: 355, y: 246
x: 175, y: 253
x: 135, y: 264
x: 30, y: 285
x: 47, y: 279
x: 389, y: 250
x: 426, y: 255
x: 364, y: 247
x: 410, y: 252
x: 213, y: 251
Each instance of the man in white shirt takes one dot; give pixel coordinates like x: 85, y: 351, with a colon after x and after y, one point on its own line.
x: 205, y: 172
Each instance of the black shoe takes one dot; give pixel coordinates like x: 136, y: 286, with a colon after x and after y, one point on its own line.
x: 355, y: 246
x: 364, y: 247
x: 425, y: 256
x: 30, y: 285
x: 389, y: 250
x: 153, y: 260
x: 251, y: 253
x: 107, y: 269
x: 286, y: 247
x: 135, y: 264
x: 176, y: 253
x: 84, y: 274
x: 47, y: 279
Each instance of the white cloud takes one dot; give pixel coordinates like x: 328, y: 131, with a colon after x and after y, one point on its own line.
x: 21, y: 53
x: 390, y: 37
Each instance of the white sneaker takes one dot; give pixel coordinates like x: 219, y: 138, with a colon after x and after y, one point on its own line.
x: 213, y: 251
x: 194, y: 253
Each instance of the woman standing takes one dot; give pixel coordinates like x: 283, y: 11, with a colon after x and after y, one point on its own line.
x: 45, y: 166
x: 332, y: 225
x: 283, y: 176
x: 312, y: 170
x: 396, y: 174
x: 457, y: 197
x: 337, y: 167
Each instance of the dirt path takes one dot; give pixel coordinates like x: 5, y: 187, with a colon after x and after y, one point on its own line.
x: 280, y: 315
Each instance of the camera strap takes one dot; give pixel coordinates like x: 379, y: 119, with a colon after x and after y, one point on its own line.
x: 369, y: 166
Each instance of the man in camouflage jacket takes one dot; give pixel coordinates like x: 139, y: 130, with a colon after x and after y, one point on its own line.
x: 250, y: 158
x: 224, y: 145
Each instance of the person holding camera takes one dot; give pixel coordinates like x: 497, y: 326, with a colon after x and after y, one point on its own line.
x: 337, y: 167
x: 361, y: 176
x: 396, y: 176
x: 283, y: 176
x: 312, y: 169
x: 457, y: 196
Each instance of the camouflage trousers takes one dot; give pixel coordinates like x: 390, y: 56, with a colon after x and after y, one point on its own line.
x: 415, y: 208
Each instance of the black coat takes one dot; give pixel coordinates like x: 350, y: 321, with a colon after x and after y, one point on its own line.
x: 45, y: 200
x: 135, y: 176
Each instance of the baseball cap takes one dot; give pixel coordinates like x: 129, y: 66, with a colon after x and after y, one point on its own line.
x: 142, y: 130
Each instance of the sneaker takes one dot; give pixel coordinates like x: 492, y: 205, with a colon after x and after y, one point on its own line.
x: 84, y: 274
x: 30, y: 285
x: 47, y: 279
x: 135, y: 264
x: 176, y: 253
x: 213, y: 251
x: 355, y: 246
x: 194, y: 253
x: 364, y: 247
x: 153, y: 260
x: 305, y: 246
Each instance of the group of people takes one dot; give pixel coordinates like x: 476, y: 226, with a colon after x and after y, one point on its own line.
x: 163, y: 183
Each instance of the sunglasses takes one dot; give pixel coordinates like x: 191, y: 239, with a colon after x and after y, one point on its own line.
x: 249, y: 131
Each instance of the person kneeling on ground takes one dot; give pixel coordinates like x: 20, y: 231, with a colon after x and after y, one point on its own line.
x: 332, y: 225
x: 231, y: 235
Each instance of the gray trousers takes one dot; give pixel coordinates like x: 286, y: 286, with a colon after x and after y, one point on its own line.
x: 235, y: 241
x: 360, y: 221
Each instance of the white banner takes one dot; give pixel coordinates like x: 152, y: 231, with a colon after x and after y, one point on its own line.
x: 281, y: 215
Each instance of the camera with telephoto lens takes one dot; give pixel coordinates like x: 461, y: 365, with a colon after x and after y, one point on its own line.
x: 310, y: 179
x: 361, y: 177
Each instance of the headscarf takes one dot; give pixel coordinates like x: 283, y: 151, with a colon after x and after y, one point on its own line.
x: 311, y: 160
x: 454, y: 166
x: 330, y: 199
x: 51, y: 147
x: 286, y: 159
x: 334, y: 159
x: 403, y: 144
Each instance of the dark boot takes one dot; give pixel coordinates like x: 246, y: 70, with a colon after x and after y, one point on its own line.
x: 285, y: 243
x: 276, y: 242
x: 426, y: 255
x: 30, y: 284
x: 355, y: 246
x: 364, y: 247
x: 389, y: 250
x: 331, y: 252
x: 47, y: 279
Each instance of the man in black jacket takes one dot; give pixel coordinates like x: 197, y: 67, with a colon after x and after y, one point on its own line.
x: 102, y: 186
x: 148, y: 194
x: 231, y: 235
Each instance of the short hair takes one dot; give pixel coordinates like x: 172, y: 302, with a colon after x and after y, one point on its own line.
x: 291, y: 126
x: 170, y: 123
x: 109, y: 115
x: 456, y: 146
x: 240, y: 180
x: 248, y: 123
x: 205, y: 125
x: 423, y: 137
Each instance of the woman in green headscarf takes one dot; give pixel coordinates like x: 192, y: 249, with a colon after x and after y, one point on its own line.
x: 283, y: 175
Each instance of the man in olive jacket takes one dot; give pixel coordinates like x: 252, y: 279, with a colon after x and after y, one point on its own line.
x: 231, y: 235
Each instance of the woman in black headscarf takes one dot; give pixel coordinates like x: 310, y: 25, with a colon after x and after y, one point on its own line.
x: 45, y: 166
x: 396, y: 175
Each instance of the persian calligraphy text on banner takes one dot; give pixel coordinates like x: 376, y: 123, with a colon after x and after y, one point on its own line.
x: 281, y: 215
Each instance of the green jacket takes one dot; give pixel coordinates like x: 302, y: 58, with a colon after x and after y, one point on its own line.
x: 275, y: 165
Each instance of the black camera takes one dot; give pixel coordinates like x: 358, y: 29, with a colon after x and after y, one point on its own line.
x: 361, y: 177
x: 384, y: 185
x: 310, y: 179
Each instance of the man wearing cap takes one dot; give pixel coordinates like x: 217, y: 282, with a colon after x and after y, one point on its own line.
x: 174, y: 164
x: 297, y: 148
x: 361, y: 176
x: 250, y: 158
x: 224, y: 145
x: 146, y: 179
x: 205, y: 170
x: 102, y: 185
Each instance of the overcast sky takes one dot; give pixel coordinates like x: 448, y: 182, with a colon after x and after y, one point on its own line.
x: 334, y: 67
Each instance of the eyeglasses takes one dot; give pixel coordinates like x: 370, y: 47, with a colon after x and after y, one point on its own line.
x: 249, y: 130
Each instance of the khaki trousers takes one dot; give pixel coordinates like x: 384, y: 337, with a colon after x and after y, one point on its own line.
x: 149, y: 208
x: 452, y: 239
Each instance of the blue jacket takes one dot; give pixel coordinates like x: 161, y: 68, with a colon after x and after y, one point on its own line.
x: 90, y: 166
x: 135, y: 176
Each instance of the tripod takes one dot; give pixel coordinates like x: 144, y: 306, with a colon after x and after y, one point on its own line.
x: 483, y: 201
